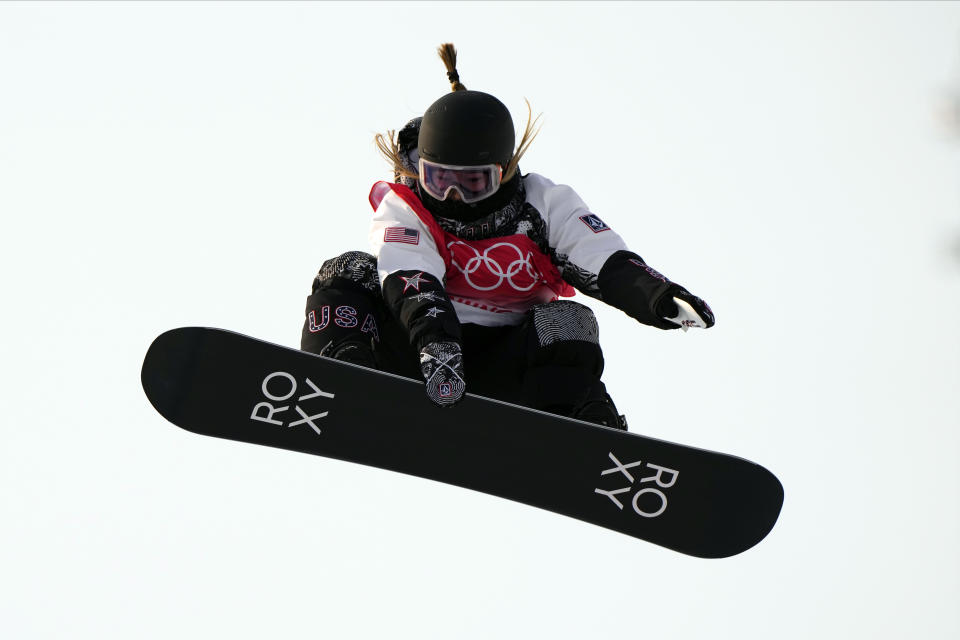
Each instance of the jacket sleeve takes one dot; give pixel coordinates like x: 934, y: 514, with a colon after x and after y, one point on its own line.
x: 593, y: 257
x: 579, y: 241
x: 412, y: 272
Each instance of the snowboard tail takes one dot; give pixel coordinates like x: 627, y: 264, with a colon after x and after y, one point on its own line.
x: 223, y: 384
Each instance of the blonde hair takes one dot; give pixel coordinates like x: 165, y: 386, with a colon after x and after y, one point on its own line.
x: 389, y: 147
x: 529, y: 133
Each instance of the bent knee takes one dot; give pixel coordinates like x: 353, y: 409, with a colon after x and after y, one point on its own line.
x: 565, y: 320
x: 355, y: 266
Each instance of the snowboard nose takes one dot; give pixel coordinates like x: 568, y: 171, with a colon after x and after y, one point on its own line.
x: 168, y: 369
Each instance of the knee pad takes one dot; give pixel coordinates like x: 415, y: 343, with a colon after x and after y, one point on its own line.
x: 354, y: 266
x: 564, y: 320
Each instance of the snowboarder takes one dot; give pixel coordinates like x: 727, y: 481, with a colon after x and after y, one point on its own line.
x: 470, y: 259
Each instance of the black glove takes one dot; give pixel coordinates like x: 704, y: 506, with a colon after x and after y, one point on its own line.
x: 442, y: 366
x: 630, y: 284
x: 695, y: 313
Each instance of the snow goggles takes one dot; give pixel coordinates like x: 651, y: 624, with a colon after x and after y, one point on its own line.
x: 473, y: 183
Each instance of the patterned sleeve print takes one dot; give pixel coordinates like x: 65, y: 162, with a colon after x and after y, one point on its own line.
x: 582, y: 280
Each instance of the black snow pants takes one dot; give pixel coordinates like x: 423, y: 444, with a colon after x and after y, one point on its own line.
x: 552, y: 361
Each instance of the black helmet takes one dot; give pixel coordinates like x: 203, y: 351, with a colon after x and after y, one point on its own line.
x: 467, y: 128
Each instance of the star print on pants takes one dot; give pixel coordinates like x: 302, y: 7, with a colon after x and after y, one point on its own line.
x: 433, y: 312
x: 413, y: 281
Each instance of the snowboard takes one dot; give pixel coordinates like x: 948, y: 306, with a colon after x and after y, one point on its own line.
x: 220, y: 383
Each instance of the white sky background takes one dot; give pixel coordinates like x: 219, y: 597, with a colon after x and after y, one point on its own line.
x: 183, y: 164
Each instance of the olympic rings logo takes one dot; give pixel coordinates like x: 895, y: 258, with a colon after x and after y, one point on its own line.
x: 493, y: 268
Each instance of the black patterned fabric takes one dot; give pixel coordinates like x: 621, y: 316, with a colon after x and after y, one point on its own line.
x: 355, y: 266
x: 442, y: 366
x: 565, y: 320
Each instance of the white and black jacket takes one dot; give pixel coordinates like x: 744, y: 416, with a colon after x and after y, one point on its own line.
x: 543, y: 244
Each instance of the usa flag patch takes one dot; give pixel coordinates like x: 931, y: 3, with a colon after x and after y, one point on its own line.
x: 401, y: 234
x: 594, y: 222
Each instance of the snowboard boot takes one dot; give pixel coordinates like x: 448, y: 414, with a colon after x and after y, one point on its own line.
x: 602, y: 412
x: 356, y: 351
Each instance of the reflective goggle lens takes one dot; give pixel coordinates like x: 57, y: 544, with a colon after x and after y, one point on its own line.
x: 472, y: 183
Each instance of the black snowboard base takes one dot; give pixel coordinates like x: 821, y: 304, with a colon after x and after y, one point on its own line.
x: 219, y: 383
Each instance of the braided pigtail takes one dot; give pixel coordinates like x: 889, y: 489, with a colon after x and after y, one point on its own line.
x: 448, y: 53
